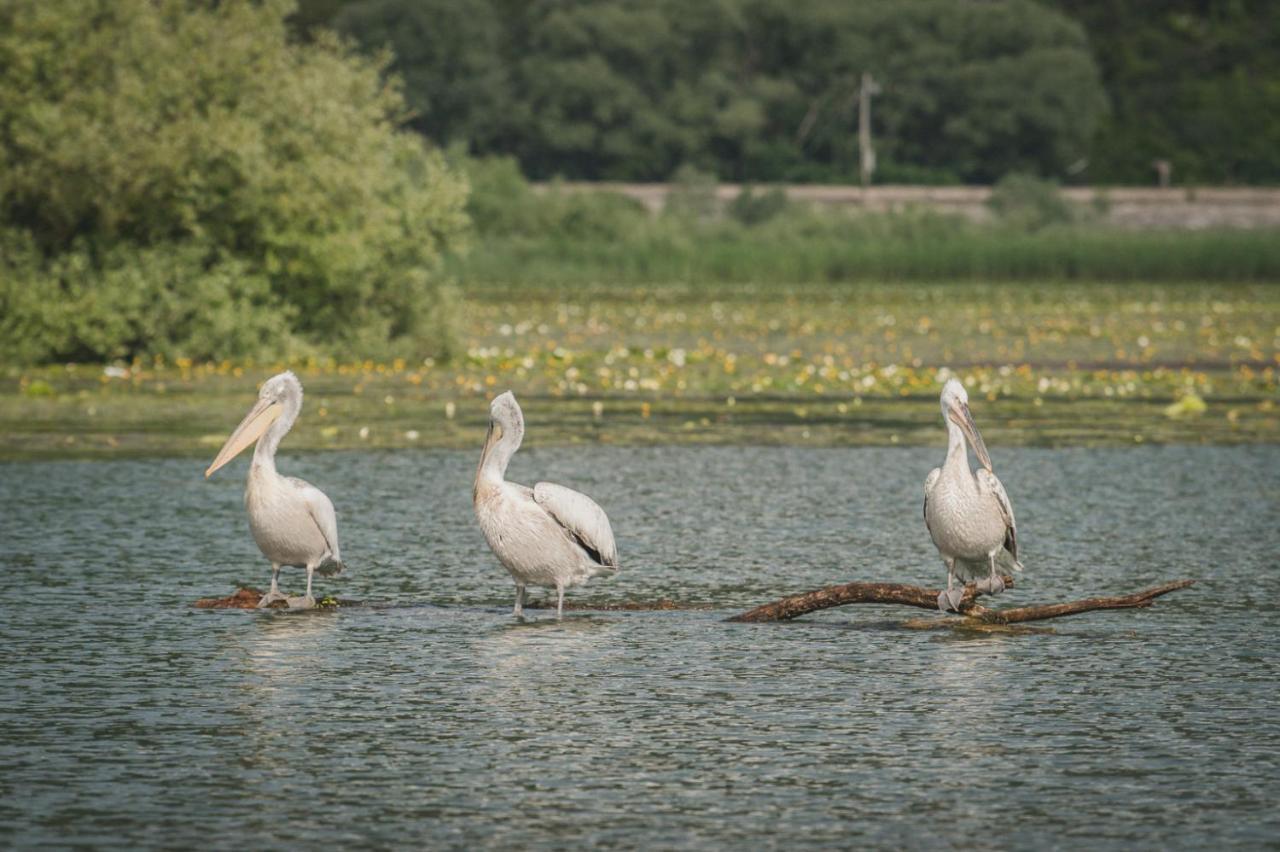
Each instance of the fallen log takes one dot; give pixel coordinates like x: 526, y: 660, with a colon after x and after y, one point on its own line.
x: 660, y: 605
x: 247, y: 597
x: 970, y: 610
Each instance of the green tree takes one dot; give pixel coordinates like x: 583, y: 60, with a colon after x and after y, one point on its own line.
x: 177, y: 177
x: 1195, y: 82
x: 750, y: 89
x: 449, y: 57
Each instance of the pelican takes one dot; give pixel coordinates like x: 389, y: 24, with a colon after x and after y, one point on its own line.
x: 292, y: 521
x: 548, y: 535
x: 968, y: 515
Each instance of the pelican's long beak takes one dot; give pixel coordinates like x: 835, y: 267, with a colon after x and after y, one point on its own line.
x: 491, y: 438
x: 250, y: 429
x: 964, y: 419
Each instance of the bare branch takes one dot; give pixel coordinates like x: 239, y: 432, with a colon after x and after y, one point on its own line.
x: 795, y: 606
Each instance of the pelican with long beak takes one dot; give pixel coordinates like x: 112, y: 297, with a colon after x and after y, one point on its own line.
x: 292, y: 521
x: 548, y: 535
x: 968, y: 514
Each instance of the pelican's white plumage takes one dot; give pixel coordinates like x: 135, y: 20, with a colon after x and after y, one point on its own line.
x: 292, y: 521
x: 548, y: 535
x: 968, y: 515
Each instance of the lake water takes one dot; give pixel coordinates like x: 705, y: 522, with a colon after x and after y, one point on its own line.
x: 430, y: 717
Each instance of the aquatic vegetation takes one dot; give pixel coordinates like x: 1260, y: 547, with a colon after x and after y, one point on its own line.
x: 834, y: 365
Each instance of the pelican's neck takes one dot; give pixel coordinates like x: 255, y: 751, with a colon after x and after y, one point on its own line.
x: 264, y: 455
x: 496, y: 456
x: 957, y: 449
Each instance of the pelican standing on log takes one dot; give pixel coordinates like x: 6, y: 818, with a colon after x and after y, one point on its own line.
x: 968, y: 515
x: 548, y: 535
x: 292, y: 521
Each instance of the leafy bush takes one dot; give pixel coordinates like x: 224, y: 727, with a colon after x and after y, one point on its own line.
x: 1029, y: 203
x: 178, y: 178
x: 502, y: 203
x: 692, y: 194
x: 751, y: 208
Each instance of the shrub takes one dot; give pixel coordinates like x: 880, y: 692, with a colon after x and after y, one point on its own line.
x: 179, y: 178
x: 1029, y: 203
x: 692, y: 194
x: 751, y: 208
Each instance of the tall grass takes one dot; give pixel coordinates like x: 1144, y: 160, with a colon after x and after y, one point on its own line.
x: 564, y: 240
x: 846, y: 252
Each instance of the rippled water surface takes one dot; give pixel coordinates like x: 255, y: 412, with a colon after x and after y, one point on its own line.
x: 431, y: 717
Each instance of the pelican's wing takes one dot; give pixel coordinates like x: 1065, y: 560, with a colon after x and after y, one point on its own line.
x: 585, y: 521
x: 929, y: 482
x: 988, y: 482
x: 321, y: 509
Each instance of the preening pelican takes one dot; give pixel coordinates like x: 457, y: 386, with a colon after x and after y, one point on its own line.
x: 292, y: 521
x: 968, y: 515
x: 548, y: 535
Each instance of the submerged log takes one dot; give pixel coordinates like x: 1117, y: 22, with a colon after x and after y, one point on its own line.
x: 970, y: 611
x: 247, y: 598
x: 660, y: 605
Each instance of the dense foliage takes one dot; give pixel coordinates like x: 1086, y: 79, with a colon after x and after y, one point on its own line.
x: 1195, y: 82
x: 765, y: 90
x: 760, y: 90
x: 177, y: 178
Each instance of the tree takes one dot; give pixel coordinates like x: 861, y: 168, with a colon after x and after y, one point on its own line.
x: 751, y: 89
x: 1196, y: 82
x: 449, y: 57
x: 176, y: 177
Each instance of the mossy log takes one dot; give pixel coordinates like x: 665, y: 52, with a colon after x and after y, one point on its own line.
x: 970, y: 611
x: 247, y: 597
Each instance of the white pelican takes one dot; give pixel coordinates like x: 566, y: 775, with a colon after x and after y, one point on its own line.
x: 548, y: 535
x: 292, y: 521
x: 968, y: 515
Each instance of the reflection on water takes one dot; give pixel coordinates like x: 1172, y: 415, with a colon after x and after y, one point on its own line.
x: 433, y: 718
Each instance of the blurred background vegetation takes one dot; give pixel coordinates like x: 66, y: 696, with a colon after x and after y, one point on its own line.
x: 765, y: 90
x: 237, y: 179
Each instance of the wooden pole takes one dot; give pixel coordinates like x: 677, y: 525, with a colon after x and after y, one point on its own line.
x: 866, y: 152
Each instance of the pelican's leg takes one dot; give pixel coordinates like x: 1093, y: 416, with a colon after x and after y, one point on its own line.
x: 993, y: 585
x: 559, y: 600
x: 519, y: 601
x: 950, y: 599
x: 274, y: 595
x: 306, y: 601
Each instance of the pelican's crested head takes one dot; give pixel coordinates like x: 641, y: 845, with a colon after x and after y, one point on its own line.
x: 279, y: 396
x: 505, y: 412
x: 281, y: 386
x: 953, y: 394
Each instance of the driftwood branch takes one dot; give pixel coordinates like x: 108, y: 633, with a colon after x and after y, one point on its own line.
x: 795, y: 606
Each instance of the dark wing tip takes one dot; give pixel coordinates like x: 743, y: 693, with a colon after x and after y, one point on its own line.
x: 592, y: 553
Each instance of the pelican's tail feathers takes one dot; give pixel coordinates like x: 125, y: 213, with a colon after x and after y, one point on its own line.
x: 1008, y: 561
x: 331, y: 568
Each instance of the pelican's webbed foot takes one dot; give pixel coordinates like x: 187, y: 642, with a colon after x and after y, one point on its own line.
x: 271, y: 597
x: 992, y: 585
x: 949, y: 599
x: 303, y: 602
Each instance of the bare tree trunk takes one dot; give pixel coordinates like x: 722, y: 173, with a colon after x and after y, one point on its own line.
x: 795, y: 606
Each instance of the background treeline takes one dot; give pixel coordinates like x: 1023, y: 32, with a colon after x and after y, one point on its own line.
x: 765, y: 90
x: 230, y: 178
